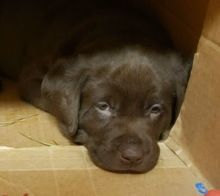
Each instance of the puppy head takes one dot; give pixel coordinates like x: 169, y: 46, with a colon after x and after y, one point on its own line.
x: 124, y: 110
x: 124, y: 106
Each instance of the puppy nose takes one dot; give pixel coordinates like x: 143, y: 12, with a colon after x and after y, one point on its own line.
x: 132, y: 155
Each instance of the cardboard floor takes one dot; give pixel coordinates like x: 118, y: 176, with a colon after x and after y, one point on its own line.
x: 36, y: 159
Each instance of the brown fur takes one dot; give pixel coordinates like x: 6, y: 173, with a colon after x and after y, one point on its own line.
x: 115, y: 84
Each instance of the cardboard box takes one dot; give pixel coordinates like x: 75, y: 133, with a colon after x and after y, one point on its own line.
x: 35, y: 159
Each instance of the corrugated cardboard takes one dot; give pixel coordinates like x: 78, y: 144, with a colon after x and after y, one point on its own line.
x: 36, y: 159
x: 68, y: 171
x: 200, y: 135
x: 19, y: 119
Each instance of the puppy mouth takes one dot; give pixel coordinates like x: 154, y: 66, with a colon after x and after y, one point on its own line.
x: 127, y: 169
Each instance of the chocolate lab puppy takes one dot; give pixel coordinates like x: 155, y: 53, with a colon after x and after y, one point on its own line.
x: 108, y: 73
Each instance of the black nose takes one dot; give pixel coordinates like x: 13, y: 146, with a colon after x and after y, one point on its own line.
x: 131, y: 155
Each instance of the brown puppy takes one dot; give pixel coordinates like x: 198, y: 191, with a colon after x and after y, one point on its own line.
x: 116, y: 85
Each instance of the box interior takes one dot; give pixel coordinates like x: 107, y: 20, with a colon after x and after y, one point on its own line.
x: 35, y: 158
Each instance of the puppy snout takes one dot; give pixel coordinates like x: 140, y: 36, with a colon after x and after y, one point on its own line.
x: 131, y: 154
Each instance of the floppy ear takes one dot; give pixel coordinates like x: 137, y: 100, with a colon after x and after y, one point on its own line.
x: 181, y: 80
x: 61, y: 87
x: 181, y: 76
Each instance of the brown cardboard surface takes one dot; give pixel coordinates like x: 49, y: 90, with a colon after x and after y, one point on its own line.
x: 69, y: 171
x: 200, y: 115
x: 18, y: 118
x: 199, y: 135
x: 212, y: 23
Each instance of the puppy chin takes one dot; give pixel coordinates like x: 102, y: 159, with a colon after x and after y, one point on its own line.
x: 113, y: 164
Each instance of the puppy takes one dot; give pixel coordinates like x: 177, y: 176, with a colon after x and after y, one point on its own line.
x: 113, y: 81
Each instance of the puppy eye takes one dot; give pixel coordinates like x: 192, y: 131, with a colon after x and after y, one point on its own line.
x: 155, y: 109
x: 104, y: 106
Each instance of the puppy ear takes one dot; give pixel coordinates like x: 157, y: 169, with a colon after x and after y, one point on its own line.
x: 181, y: 76
x: 61, y: 87
x: 178, y: 97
